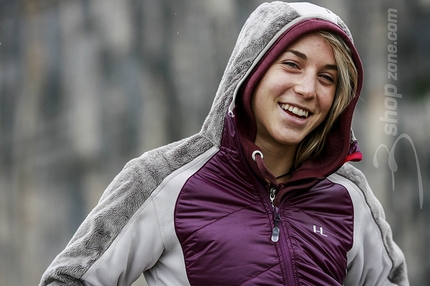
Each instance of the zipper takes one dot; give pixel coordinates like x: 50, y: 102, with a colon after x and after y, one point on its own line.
x: 275, y: 238
x: 277, y: 216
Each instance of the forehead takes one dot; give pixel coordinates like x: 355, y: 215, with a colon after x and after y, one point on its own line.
x: 311, y: 47
x: 311, y: 42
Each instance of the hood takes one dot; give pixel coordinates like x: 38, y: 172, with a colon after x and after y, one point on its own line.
x: 267, y: 32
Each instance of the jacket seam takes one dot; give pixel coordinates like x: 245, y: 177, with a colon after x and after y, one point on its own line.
x: 98, y: 262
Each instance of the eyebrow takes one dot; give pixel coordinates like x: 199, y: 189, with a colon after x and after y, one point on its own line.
x: 304, y: 57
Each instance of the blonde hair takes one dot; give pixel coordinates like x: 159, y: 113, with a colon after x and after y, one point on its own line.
x: 313, y: 144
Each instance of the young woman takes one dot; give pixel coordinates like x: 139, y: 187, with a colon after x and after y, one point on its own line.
x: 263, y: 194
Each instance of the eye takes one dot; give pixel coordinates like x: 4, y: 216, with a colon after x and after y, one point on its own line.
x: 328, y: 78
x: 290, y: 64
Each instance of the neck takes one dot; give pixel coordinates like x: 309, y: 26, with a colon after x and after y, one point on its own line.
x: 279, y: 161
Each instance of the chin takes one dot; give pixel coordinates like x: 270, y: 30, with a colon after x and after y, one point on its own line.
x: 291, y: 140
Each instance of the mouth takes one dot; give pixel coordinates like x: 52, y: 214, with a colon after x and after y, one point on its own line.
x: 294, y: 110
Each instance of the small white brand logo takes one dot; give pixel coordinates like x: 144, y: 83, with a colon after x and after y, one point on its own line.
x: 319, y: 230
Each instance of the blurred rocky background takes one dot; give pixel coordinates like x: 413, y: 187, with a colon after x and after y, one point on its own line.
x: 86, y: 85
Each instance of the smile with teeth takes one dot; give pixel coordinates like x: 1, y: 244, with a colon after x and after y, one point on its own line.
x: 295, y: 110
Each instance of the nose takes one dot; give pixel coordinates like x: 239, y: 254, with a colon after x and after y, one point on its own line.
x: 306, y: 85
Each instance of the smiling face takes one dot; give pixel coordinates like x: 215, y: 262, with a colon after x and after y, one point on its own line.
x: 295, y: 94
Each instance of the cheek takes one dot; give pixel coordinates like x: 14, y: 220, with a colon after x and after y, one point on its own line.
x: 326, y: 102
x: 257, y: 106
x: 261, y: 99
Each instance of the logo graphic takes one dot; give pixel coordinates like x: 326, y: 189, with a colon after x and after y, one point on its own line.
x: 392, y: 164
x: 320, y: 230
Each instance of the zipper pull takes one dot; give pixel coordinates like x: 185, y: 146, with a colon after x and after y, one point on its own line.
x: 276, y: 231
x: 272, y: 196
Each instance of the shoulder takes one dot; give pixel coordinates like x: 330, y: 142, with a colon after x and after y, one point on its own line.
x: 146, y: 172
x: 350, y: 173
x: 355, y: 178
x: 361, y: 194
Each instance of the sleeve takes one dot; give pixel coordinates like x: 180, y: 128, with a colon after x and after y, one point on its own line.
x: 107, y: 248
x: 374, y: 259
